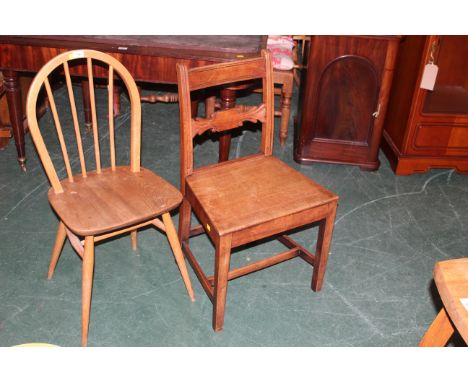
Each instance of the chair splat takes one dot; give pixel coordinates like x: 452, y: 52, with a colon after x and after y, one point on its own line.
x: 229, y: 119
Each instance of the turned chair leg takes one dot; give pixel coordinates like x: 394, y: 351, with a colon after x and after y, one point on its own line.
x: 177, y: 250
x: 322, y: 250
x: 134, y: 239
x: 87, y: 286
x: 222, y: 260
x: 59, y: 240
x: 439, y: 332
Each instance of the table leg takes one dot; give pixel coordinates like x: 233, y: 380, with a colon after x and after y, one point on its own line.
x: 228, y: 101
x: 13, y: 94
x: 116, y: 100
x: 86, y: 104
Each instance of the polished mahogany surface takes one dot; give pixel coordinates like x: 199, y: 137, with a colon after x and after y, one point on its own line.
x: 427, y: 129
x: 343, y: 99
x: 148, y: 59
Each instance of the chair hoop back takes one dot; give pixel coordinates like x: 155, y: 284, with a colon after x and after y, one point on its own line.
x: 41, y: 81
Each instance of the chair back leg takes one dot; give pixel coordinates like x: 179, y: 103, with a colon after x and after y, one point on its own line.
x: 177, y: 250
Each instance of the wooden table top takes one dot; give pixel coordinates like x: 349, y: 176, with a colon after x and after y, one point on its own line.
x: 210, y: 47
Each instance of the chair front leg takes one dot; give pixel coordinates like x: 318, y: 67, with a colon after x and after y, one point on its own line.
x: 222, y: 260
x: 59, y: 240
x: 87, y: 286
x: 322, y: 249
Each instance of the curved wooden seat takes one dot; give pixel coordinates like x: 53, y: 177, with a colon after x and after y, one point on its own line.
x: 451, y: 279
x: 113, y: 200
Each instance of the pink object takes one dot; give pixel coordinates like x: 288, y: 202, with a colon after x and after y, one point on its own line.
x: 281, y: 50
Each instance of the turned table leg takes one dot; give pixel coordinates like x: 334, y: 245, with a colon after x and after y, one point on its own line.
x: 13, y: 94
x: 286, y: 96
x: 228, y: 101
x: 86, y: 104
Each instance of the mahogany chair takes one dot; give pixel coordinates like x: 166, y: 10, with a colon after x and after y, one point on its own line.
x: 98, y: 204
x: 250, y: 198
x: 451, y: 279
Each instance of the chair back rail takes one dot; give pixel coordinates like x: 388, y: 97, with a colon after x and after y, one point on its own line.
x: 224, y: 74
x: 59, y: 63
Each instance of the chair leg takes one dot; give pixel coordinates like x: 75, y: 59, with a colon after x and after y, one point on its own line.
x: 222, y: 260
x: 440, y: 331
x: 286, y: 96
x: 177, y: 250
x: 134, y: 239
x: 87, y: 286
x: 322, y: 249
x: 185, y: 217
x: 59, y: 240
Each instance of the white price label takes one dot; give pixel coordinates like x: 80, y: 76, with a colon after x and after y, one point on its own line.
x: 429, y: 77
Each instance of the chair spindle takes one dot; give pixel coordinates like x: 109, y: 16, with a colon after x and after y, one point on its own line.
x: 93, y: 115
x: 76, y: 125
x: 111, y: 116
x: 58, y: 127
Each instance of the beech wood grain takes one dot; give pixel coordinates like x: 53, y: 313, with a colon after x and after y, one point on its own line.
x: 105, y: 202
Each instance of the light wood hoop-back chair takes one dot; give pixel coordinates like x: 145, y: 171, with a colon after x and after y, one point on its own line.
x: 97, y: 204
x: 247, y: 199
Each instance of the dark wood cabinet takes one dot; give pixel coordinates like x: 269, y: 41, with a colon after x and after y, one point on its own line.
x: 343, y: 99
x: 427, y: 129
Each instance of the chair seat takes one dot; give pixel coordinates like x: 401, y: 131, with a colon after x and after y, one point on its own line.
x: 111, y: 200
x: 243, y: 193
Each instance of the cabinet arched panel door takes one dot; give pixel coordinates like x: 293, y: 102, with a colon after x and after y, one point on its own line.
x: 347, y: 96
x: 343, y: 99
